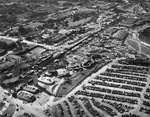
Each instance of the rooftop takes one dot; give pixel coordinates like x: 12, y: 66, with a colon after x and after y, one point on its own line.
x: 120, y: 34
x: 129, y: 22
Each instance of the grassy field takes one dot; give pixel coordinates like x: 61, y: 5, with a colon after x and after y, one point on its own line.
x: 64, y: 88
x: 145, y: 49
x: 77, y: 79
x: 133, y: 44
x: 11, y: 109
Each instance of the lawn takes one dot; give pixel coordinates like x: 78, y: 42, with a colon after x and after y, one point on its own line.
x: 11, y: 109
x: 1, y: 105
x: 133, y: 44
x: 77, y: 79
x: 145, y: 49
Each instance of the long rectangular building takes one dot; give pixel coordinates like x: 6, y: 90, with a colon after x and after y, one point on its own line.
x: 120, y: 34
x: 129, y: 22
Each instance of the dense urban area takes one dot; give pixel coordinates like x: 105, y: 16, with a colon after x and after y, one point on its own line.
x: 74, y: 58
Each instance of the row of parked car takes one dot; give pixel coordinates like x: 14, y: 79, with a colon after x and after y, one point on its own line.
x: 120, y: 107
x: 124, y: 76
x: 108, y: 97
x: 122, y: 81
x: 113, y: 91
x: 90, y: 108
x: 134, y: 68
x: 79, y: 110
x: 127, y: 87
x: 5, y: 115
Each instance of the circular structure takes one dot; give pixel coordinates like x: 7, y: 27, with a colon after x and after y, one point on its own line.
x: 144, y: 36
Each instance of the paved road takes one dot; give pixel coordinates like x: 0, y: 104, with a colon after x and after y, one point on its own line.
x: 28, y: 42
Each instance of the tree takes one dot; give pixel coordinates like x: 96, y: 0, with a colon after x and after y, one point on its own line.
x: 21, y: 30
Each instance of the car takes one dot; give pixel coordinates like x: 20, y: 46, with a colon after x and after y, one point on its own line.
x: 6, y: 115
x: 47, y: 112
x: 28, y: 115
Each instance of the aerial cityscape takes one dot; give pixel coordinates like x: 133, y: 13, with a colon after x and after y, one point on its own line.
x: 75, y: 58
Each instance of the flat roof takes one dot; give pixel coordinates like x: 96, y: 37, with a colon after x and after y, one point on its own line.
x: 109, y: 31
x: 130, y: 20
x: 120, y: 34
x: 84, y: 11
x: 126, y: 24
